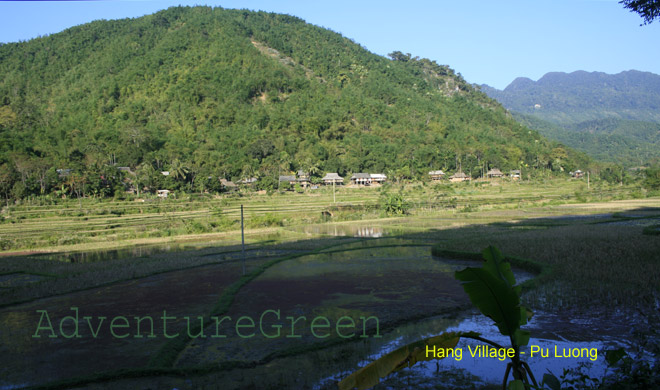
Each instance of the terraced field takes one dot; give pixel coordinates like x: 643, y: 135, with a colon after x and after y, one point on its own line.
x: 88, y: 224
x: 305, y: 254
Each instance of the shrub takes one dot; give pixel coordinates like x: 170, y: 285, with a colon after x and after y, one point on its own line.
x: 652, y: 178
x: 285, y: 186
x: 636, y: 194
x: 267, y: 183
x: 266, y: 220
x: 195, y: 227
x: 393, y: 204
x: 69, y: 240
x: 6, y: 244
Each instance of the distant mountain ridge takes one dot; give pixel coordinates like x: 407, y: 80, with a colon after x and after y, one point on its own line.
x: 568, y: 98
x: 614, y: 118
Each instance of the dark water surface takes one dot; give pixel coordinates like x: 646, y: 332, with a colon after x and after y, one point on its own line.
x: 25, y: 360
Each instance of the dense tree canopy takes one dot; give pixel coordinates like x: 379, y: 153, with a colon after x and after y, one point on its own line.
x: 206, y: 92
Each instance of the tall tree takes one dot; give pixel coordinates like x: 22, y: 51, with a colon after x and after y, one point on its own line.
x: 649, y: 10
x: 178, y: 170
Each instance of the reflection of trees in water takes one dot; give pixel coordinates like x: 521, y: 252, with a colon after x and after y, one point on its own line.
x: 113, y: 254
x: 347, y: 230
x: 367, y: 231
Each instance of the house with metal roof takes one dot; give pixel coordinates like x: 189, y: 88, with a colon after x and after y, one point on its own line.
x: 437, y: 175
x: 361, y: 179
x: 332, y: 178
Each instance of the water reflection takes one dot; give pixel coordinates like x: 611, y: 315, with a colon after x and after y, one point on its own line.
x: 382, y: 272
x: 113, y: 254
x: 549, y: 331
x: 363, y: 231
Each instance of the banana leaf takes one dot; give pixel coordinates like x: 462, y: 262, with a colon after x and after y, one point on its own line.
x: 492, y: 289
x: 406, y: 356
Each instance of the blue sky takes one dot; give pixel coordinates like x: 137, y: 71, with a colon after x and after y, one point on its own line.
x: 487, y: 41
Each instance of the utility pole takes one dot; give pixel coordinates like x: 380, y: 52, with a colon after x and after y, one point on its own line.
x: 334, y: 200
x: 242, y: 241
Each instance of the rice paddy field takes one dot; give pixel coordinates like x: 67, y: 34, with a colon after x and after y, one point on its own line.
x: 49, y: 224
x: 159, y: 293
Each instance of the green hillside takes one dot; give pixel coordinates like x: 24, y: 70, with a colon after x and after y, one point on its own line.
x: 625, y: 142
x: 212, y: 92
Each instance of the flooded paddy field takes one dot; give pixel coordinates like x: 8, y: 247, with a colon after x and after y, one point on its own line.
x: 378, y: 280
x: 368, y: 282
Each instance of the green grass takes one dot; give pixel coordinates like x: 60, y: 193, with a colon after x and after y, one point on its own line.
x: 87, y: 224
x: 591, y: 263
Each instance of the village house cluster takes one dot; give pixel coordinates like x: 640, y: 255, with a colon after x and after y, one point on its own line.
x: 360, y: 179
x: 460, y: 176
x: 333, y: 178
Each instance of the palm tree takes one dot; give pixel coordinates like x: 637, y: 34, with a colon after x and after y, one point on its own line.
x: 247, y: 172
x: 178, y: 170
x: 145, y: 176
x: 311, y: 167
x: 285, y: 162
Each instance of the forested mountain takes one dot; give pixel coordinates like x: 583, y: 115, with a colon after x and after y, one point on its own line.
x: 613, y: 118
x: 625, y: 142
x: 568, y: 98
x: 212, y: 92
